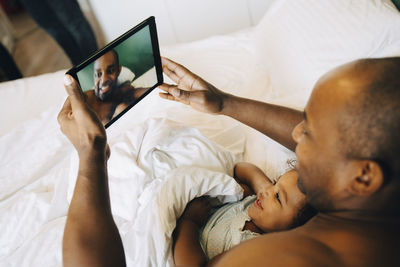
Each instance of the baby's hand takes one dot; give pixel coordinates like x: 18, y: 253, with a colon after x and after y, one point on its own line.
x: 198, y: 211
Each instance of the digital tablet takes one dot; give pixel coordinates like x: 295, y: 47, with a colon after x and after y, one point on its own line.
x: 122, y: 73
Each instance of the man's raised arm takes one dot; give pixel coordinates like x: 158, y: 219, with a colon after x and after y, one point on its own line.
x: 277, y: 122
x: 91, y: 237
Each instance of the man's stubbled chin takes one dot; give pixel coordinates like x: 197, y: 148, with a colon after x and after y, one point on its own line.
x: 104, y: 92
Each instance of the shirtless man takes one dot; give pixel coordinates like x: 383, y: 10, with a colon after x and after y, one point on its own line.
x: 108, y: 98
x: 347, y: 147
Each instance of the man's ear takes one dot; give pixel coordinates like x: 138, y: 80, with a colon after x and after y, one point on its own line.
x: 367, y: 178
x: 119, y: 71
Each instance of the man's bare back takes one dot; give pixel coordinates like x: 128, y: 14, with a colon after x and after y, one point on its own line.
x: 324, y: 241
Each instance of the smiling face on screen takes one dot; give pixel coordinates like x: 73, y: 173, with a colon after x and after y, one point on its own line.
x: 106, y: 72
x: 277, y: 207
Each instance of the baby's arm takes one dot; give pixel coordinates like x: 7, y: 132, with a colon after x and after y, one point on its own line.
x: 253, y: 179
x: 186, y: 248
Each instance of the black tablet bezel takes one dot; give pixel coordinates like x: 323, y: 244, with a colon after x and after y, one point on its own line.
x: 156, y: 54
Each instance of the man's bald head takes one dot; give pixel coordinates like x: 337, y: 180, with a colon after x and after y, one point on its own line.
x: 112, y: 53
x: 371, y: 124
x: 348, y: 148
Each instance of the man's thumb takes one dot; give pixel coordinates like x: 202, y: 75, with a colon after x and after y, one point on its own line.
x: 73, y: 90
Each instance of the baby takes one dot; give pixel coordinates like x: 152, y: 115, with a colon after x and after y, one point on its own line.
x: 266, y: 208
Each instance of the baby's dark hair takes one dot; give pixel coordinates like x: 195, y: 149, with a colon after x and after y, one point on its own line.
x: 304, y: 215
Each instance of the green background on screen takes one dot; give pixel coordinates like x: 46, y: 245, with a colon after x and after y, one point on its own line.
x: 135, y: 53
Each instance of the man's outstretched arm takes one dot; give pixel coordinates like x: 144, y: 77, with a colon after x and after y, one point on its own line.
x: 277, y: 122
x: 91, y: 237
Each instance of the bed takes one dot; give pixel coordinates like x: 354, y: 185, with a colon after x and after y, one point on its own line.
x: 163, y: 153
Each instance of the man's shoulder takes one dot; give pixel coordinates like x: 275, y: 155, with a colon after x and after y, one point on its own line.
x: 279, y: 249
x: 126, y: 86
x: 89, y: 92
x: 90, y: 96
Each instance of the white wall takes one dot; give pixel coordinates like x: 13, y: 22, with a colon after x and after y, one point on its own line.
x: 178, y: 20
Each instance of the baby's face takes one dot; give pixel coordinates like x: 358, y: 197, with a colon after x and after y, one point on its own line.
x: 277, y: 206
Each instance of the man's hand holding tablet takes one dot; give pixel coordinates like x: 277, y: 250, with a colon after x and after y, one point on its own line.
x: 122, y: 73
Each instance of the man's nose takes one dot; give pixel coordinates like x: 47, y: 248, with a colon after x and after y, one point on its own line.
x: 104, y: 78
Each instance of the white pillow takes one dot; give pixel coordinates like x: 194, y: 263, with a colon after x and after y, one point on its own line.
x: 125, y: 75
x: 300, y: 40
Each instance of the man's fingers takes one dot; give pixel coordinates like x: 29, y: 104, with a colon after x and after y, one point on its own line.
x: 171, y: 75
x: 171, y: 97
x: 168, y: 63
x: 173, y: 90
x: 74, y: 92
x: 169, y: 68
x: 174, y: 93
x: 169, y: 88
x: 167, y: 96
x: 175, y: 71
x: 166, y: 87
x: 67, y: 105
x: 64, y: 112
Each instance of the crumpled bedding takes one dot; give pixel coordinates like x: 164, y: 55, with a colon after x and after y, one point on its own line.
x: 155, y: 168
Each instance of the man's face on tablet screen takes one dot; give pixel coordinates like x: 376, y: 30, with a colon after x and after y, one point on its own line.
x: 106, y: 72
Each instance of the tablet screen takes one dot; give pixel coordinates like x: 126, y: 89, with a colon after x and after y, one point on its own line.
x: 121, y: 74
